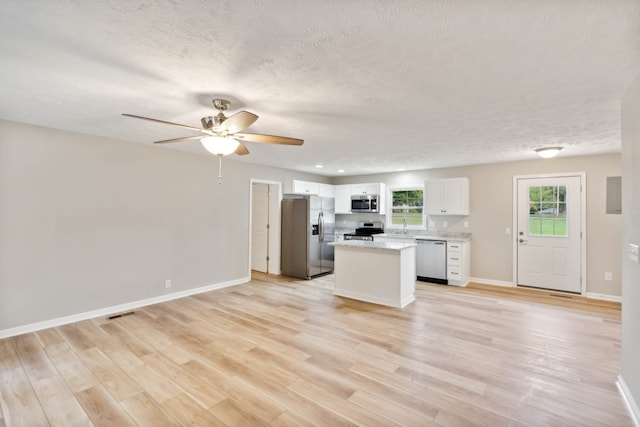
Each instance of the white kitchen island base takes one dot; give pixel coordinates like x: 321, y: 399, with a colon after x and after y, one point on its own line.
x: 377, y: 272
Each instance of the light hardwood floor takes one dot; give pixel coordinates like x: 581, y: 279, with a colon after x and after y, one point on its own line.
x: 284, y: 352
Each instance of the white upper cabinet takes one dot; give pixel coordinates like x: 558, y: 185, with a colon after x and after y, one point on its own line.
x: 342, y: 193
x: 327, y: 190
x: 365, y: 188
x: 306, y: 187
x: 343, y: 198
x: 447, y: 196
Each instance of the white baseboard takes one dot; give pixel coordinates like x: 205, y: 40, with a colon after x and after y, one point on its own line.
x: 604, y: 297
x: 373, y: 299
x: 25, y: 329
x: 592, y: 295
x: 628, y: 399
x: 491, y: 282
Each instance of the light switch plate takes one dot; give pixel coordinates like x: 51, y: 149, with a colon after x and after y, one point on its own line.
x: 633, y: 252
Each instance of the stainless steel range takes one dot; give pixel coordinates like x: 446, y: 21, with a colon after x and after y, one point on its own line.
x: 365, y: 231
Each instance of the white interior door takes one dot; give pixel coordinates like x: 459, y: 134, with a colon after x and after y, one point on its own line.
x: 549, y: 233
x: 260, y: 227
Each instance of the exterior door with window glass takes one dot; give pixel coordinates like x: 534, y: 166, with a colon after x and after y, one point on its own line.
x: 549, y: 233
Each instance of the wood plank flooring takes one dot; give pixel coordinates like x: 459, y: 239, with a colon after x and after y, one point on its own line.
x: 282, y: 352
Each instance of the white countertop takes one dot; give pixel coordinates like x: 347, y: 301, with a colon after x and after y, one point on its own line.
x: 426, y: 235
x: 364, y: 244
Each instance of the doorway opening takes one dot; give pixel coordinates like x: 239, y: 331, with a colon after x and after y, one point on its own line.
x: 550, y: 239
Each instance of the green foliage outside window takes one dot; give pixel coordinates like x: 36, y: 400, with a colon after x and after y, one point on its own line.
x: 548, y: 211
x: 407, y: 204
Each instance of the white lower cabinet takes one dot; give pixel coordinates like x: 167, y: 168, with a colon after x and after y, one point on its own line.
x: 458, y: 263
x: 458, y: 257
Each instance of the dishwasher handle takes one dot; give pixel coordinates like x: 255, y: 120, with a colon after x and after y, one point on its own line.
x: 431, y: 242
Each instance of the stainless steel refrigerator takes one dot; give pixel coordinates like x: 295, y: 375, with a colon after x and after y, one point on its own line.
x: 308, y: 225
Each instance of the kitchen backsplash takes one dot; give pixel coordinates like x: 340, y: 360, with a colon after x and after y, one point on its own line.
x: 346, y: 223
x: 349, y: 222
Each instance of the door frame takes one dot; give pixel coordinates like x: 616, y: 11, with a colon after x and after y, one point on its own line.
x: 275, y: 213
x: 583, y: 224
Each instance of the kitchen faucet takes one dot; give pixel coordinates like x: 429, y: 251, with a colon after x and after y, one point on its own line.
x: 404, y: 225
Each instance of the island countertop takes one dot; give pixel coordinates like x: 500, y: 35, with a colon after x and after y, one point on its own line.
x: 364, y: 244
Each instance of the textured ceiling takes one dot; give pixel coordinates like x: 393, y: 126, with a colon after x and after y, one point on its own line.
x: 371, y: 86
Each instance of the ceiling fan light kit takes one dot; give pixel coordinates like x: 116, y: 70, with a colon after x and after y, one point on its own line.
x: 220, y: 133
x: 548, y: 152
x: 219, y: 146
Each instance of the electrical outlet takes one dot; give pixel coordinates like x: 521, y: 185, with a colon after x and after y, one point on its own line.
x: 465, y: 224
x: 445, y: 224
x: 608, y: 275
x: 507, y: 231
x: 167, y: 283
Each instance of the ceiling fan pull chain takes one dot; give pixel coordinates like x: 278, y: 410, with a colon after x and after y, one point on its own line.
x: 220, y: 170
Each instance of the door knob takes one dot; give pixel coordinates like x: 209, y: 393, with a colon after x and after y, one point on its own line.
x: 521, y: 240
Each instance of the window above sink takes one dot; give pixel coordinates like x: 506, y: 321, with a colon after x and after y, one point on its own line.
x: 406, y: 210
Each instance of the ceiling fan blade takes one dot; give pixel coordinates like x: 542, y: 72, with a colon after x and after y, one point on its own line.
x: 186, y: 138
x: 241, y: 150
x: 239, y: 121
x: 268, y: 139
x: 162, y: 121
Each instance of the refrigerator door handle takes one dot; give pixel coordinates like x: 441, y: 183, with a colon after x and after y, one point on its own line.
x: 321, y: 225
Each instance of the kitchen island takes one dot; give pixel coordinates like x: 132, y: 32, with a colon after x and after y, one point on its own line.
x: 377, y: 272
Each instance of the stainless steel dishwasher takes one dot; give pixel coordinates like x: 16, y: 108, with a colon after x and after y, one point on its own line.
x: 431, y: 261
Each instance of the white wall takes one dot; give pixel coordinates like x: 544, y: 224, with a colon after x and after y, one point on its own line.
x: 630, y: 375
x: 88, y: 223
x: 491, y: 212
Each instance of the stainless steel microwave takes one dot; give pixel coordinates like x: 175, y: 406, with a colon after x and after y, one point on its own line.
x: 364, y: 203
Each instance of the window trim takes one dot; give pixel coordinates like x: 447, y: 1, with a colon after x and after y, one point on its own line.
x: 389, y: 207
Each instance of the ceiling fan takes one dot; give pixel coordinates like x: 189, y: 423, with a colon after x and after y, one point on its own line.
x: 220, y: 135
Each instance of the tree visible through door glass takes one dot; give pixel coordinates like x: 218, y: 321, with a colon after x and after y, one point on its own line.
x: 548, y: 211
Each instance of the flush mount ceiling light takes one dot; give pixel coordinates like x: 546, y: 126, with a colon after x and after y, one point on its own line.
x: 548, y: 152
